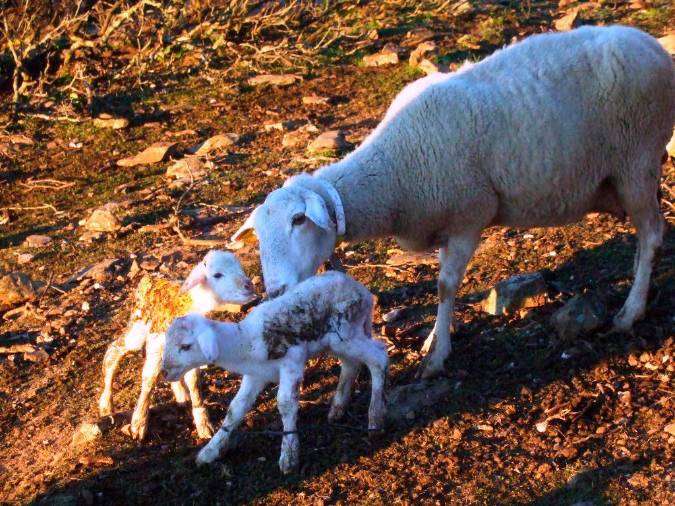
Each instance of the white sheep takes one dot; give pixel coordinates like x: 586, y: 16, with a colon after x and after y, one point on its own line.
x: 538, y: 134
x: 218, y: 279
x: 272, y: 345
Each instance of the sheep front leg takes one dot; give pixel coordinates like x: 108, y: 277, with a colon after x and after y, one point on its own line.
x: 287, y: 402
x: 151, y: 368
x: 248, y: 392
x: 454, y: 258
x: 199, y: 413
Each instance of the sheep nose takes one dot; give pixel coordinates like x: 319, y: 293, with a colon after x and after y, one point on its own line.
x: 275, y: 292
x: 248, y: 286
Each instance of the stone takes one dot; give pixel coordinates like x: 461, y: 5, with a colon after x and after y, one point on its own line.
x: 100, y: 272
x: 519, y: 292
x: 580, y: 315
x: 24, y: 258
x: 417, y: 36
x: 17, y: 288
x: 37, y: 241
x: 90, y: 236
x: 107, y: 121
x: 567, y: 22
x: 274, y: 79
x: 429, y: 67
x: 315, y: 100
x: 333, y: 140
x: 154, y: 153
x: 418, y: 54
x: 188, y: 168
x: 284, y: 126
x: 37, y: 355
x: 215, y: 143
x: 387, y: 56
x: 85, y: 434
x: 103, y: 219
x: 415, y: 397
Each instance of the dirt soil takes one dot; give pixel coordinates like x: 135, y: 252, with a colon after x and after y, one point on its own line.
x: 607, y: 400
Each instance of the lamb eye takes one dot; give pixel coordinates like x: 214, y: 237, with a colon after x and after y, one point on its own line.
x: 217, y: 275
x: 298, y: 219
x: 185, y: 347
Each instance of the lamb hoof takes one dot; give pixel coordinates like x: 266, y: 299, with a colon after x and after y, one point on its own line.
x: 105, y: 408
x: 336, y: 413
x: 429, y: 369
x: 138, y: 430
x: 290, y: 454
x: 206, y: 456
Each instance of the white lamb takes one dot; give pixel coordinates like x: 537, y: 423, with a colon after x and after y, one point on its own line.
x: 538, y: 134
x: 272, y: 345
x: 218, y: 279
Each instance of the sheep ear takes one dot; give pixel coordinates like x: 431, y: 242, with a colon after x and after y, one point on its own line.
x: 246, y: 233
x: 198, y: 275
x: 206, y: 338
x: 316, y: 210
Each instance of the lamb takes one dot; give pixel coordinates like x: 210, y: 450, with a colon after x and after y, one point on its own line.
x: 272, y: 345
x: 218, y: 279
x: 538, y: 134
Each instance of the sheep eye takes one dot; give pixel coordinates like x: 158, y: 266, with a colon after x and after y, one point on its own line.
x: 185, y: 347
x: 298, y: 219
x: 217, y: 275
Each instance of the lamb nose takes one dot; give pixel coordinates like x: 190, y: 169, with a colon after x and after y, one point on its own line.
x: 276, y: 292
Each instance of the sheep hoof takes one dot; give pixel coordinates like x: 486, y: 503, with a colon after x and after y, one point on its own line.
x: 105, y: 409
x: 290, y: 454
x: 138, y: 429
x: 429, y: 368
x: 206, y: 456
x: 336, y: 412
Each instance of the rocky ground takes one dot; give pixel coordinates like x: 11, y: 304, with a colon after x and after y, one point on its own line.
x: 537, y: 406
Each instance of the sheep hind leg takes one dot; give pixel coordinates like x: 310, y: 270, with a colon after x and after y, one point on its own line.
x: 151, y: 368
x: 111, y: 362
x: 200, y: 415
x: 248, y: 392
x: 373, y: 354
x: 343, y: 394
x: 648, y: 222
x: 454, y: 257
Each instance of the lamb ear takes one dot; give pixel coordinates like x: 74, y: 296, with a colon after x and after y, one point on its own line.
x: 198, y: 275
x: 316, y: 210
x: 246, y: 233
x: 206, y: 338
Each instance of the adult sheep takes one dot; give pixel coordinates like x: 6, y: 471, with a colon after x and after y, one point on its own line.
x: 538, y: 134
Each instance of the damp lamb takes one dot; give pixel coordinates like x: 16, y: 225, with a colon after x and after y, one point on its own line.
x: 272, y: 344
x: 538, y: 134
x: 218, y: 279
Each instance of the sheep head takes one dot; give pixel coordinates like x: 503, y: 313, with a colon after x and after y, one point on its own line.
x: 295, y: 234
x: 219, y: 279
x: 190, y: 342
